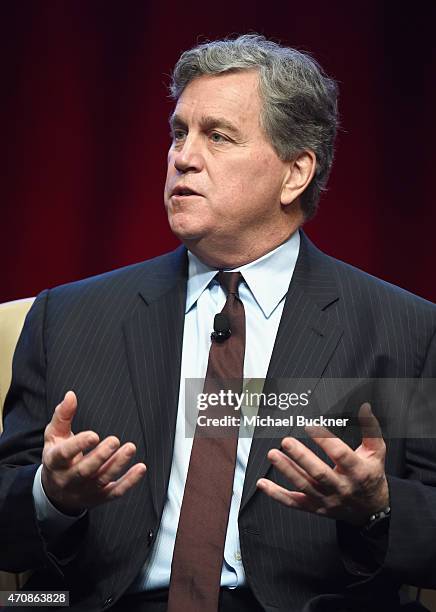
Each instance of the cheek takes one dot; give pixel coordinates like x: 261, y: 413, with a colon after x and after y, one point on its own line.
x: 256, y: 181
x: 268, y: 182
x: 170, y: 173
x: 171, y: 170
x: 234, y: 179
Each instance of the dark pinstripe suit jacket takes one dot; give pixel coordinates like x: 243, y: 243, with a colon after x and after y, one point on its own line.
x: 116, y: 341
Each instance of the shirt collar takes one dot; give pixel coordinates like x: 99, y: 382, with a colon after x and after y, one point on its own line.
x: 268, y: 277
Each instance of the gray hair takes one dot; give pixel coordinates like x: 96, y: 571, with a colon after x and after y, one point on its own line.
x: 299, y: 99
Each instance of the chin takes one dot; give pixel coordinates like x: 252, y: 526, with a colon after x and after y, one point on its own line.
x: 186, y: 230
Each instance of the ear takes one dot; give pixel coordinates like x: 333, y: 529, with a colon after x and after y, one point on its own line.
x: 299, y: 174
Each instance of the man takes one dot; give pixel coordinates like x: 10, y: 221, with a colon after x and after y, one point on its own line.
x: 255, y: 523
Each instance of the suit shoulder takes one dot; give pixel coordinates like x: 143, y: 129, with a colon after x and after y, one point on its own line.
x: 358, y: 289
x: 362, y: 285
x: 125, y: 279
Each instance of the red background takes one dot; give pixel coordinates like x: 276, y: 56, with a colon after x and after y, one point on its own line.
x: 84, y: 130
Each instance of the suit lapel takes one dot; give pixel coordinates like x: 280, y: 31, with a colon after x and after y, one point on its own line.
x: 154, y: 337
x: 306, y: 340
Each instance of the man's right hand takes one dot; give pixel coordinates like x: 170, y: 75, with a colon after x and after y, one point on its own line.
x: 73, y: 481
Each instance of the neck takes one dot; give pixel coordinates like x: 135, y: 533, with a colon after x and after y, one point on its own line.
x: 233, y: 255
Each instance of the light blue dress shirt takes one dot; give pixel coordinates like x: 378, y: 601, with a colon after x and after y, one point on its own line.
x: 262, y: 292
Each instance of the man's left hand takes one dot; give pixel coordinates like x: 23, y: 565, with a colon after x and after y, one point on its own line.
x: 351, y: 491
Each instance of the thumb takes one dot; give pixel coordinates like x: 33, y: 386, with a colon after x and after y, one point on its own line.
x: 60, y: 424
x: 372, y: 436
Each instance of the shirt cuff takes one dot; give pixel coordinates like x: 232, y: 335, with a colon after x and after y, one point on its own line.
x: 52, y: 521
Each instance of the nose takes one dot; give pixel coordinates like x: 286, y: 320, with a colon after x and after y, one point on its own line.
x: 188, y: 157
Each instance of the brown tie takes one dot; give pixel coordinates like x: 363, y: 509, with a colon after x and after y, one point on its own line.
x: 201, y: 533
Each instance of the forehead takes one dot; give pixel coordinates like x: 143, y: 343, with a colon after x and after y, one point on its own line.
x: 231, y: 95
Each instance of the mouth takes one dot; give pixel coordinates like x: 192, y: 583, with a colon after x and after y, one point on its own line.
x: 184, y: 192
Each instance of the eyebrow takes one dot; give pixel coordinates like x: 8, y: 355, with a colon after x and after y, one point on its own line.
x: 207, y: 123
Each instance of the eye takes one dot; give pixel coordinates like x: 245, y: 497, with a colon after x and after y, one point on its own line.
x: 217, y: 137
x: 177, y: 135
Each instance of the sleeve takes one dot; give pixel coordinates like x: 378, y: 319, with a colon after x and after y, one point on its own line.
x: 52, y: 521
x: 407, y: 548
x: 25, y: 417
x: 362, y: 554
x: 411, y: 550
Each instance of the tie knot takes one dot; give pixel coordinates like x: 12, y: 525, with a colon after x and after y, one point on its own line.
x: 229, y: 281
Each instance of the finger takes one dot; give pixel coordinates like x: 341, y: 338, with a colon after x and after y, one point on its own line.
x: 319, y: 431
x: 321, y: 473
x: 292, y: 499
x: 340, y: 453
x: 296, y: 475
x: 118, y: 488
x: 372, y: 436
x: 65, y: 451
x: 112, y: 468
x: 60, y: 424
x: 92, y: 462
